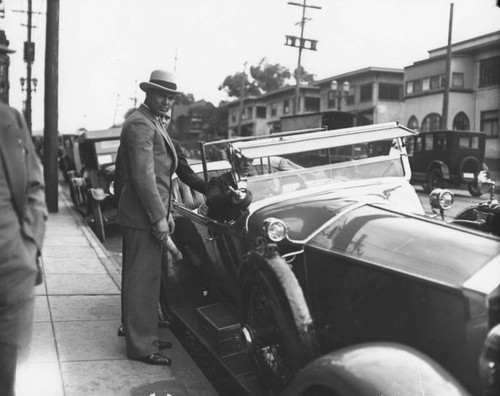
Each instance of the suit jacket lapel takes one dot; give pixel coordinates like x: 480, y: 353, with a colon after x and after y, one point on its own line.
x: 164, y: 133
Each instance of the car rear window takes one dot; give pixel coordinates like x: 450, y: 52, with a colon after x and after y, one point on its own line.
x: 410, y: 245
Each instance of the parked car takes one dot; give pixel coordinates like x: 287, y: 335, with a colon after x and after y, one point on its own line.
x: 67, y: 155
x: 334, y: 281
x: 91, y: 184
x: 443, y: 159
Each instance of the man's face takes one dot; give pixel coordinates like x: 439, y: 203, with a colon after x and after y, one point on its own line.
x: 159, y: 102
x: 244, y: 165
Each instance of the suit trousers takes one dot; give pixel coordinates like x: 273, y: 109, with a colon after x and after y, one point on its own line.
x: 141, y: 286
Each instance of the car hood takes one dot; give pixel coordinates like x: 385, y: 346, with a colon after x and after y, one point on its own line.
x: 305, y: 211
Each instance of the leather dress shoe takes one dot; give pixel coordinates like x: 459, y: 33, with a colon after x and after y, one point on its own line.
x: 121, y: 331
x: 156, y: 359
x: 163, y: 344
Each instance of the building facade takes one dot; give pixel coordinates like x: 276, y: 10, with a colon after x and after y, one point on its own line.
x: 474, y: 91
x: 372, y: 94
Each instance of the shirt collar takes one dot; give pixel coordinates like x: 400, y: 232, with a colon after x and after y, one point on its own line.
x: 161, y: 119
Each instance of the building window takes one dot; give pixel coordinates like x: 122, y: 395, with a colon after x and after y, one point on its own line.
x: 389, y: 91
x: 349, y: 100
x: 274, y: 110
x: 233, y: 116
x: 432, y: 122
x: 250, y: 112
x: 426, y: 84
x: 366, y: 93
x: 413, y: 123
x: 409, y: 87
x: 457, y: 80
x: 489, y: 71
x: 461, y: 122
x: 417, y: 86
x: 332, y: 102
x: 489, y: 123
x: 311, y: 104
x: 261, y: 111
x: 286, y: 107
x: 436, y: 82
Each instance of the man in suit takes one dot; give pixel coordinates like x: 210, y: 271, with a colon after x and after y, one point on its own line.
x: 148, y: 160
x: 184, y: 172
x: 22, y: 227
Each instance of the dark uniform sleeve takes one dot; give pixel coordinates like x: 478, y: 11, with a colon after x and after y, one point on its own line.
x: 184, y: 171
x: 221, y: 207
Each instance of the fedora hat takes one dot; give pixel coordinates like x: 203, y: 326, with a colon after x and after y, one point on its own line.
x: 162, y: 80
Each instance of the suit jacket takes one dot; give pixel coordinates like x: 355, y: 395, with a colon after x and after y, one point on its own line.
x: 22, y: 225
x: 184, y: 171
x: 148, y: 162
x: 24, y: 175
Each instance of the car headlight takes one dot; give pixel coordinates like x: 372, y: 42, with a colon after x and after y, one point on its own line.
x: 275, y: 229
x: 441, y: 199
x: 111, y: 188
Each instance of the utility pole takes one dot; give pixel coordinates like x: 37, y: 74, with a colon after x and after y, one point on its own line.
x: 242, y: 97
x: 446, y: 93
x: 29, y: 58
x: 51, y: 130
x: 302, y: 44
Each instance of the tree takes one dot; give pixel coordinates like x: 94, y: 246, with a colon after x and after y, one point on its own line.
x: 185, y: 99
x: 269, y: 77
x: 304, y: 75
x: 238, y: 85
x: 266, y: 77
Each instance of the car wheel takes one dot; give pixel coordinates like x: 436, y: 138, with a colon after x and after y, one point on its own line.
x: 435, y: 180
x: 277, y: 323
x: 98, y: 220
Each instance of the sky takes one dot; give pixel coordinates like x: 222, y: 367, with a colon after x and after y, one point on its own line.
x: 107, y: 47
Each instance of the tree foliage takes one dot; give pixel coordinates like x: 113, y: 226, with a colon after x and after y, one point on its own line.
x: 264, y: 77
x: 269, y: 77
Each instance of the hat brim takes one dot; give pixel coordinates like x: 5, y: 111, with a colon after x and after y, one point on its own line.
x: 146, y: 86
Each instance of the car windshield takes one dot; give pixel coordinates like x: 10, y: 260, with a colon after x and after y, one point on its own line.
x: 276, y: 175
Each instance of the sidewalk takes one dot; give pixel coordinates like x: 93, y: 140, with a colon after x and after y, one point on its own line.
x: 75, y: 350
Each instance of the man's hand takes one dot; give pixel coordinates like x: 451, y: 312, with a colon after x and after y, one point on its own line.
x: 161, y: 230
x: 238, y: 195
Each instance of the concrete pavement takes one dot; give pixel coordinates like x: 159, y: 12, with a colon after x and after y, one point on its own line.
x: 75, y: 350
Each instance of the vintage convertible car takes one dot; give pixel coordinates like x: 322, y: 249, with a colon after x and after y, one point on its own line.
x: 334, y: 281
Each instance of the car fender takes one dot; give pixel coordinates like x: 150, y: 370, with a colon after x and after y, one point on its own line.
x: 445, y: 171
x: 375, y: 369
